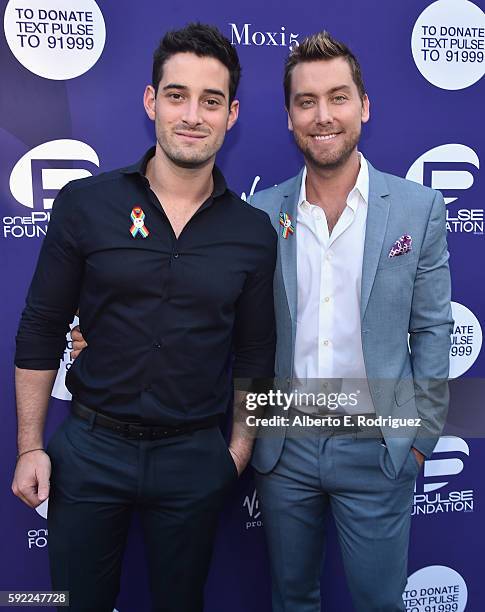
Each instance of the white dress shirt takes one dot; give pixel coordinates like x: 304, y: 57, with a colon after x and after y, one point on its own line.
x: 329, y: 277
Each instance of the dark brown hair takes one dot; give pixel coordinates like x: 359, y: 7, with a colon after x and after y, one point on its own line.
x: 204, y: 41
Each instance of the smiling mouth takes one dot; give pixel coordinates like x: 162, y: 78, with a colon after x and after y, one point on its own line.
x: 193, y: 135
x: 322, y: 137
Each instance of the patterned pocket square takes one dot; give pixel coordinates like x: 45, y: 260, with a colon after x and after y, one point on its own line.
x: 401, y: 246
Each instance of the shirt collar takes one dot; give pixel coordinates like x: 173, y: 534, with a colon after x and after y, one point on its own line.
x: 361, y: 185
x: 140, y: 167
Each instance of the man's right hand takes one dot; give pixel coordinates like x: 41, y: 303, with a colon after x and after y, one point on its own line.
x: 78, y: 342
x: 31, y: 479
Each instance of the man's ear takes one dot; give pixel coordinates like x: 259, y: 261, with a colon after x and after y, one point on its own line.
x: 233, y: 114
x: 365, y: 114
x: 149, y: 97
x: 290, y: 124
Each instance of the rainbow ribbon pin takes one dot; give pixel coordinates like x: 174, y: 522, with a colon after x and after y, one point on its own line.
x: 138, y: 218
x: 285, y: 222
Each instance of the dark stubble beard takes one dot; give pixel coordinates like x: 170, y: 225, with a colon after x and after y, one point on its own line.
x: 197, y: 160
x: 181, y: 156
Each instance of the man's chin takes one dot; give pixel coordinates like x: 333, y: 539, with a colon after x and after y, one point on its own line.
x: 190, y: 162
x: 330, y: 161
x: 187, y: 157
x: 331, y: 157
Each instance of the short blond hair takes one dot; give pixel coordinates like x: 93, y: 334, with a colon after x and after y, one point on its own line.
x: 321, y: 46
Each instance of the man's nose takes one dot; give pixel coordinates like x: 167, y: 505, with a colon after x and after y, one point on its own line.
x: 191, y: 115
x: 323, y: 113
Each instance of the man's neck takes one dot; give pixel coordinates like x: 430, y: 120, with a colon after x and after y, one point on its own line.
x: 330, y: 187
x: 173, y: 183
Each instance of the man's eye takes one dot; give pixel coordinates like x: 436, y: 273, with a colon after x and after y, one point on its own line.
x: 307, y: 103
x: 175, y: 96
x: 340, y: 99
x: 212, y: 102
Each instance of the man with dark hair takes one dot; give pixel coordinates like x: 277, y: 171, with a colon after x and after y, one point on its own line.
x: 172, y: 296
x: 362, y: 265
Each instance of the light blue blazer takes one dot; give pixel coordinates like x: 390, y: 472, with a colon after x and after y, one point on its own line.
x: 404, y: 297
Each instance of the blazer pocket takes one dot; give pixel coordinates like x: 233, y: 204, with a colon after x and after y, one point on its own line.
x: 404, y: 391
x: 391, y: 263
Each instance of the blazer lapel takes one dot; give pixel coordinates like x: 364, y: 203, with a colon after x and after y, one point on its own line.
x: 287, y: 246
x: 377, y: 215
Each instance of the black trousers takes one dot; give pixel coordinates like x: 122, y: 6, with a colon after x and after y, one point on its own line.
x: 99, y: 478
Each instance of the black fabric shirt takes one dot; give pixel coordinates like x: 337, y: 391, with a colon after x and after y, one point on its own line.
x: 165, y: 319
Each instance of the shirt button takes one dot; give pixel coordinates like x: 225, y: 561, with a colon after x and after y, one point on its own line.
x: 175, y: 255
x: 157, y: 345
x: 325, y: 342
x: 147, y: 389
x: 327, y: 299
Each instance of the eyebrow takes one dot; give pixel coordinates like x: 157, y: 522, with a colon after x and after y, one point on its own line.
x: 340, y: 88
x: 330, y: 91
x: 214, y: 92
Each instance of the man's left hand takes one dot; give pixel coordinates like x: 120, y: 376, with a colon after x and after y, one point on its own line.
x: 239, y: 459
x: 78, y: 342
x: 419, y: 456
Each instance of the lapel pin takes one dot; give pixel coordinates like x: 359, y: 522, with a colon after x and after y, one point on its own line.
x: 138, y: 218
x: 287, y: 225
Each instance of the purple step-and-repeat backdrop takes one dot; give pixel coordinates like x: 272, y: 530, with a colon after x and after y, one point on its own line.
x: 73, y: 74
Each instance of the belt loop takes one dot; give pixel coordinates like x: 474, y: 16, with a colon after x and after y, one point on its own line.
x: 92, y: 420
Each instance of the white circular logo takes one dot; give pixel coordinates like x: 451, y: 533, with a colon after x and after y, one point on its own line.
x: 55, y: 39
x: 51, y: 178
x: 59, y: 391
x: 446, y: 167
x: 466, y: 340
x: 448, y: 44
x: 435, y: 587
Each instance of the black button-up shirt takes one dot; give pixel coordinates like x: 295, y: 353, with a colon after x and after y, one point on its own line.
x: 166, y: 319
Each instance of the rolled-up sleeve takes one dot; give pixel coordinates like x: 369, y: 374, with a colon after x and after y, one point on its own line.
x: 53, y: 295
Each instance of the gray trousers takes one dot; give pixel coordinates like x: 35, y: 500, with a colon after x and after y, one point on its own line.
x: 371, y: 506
